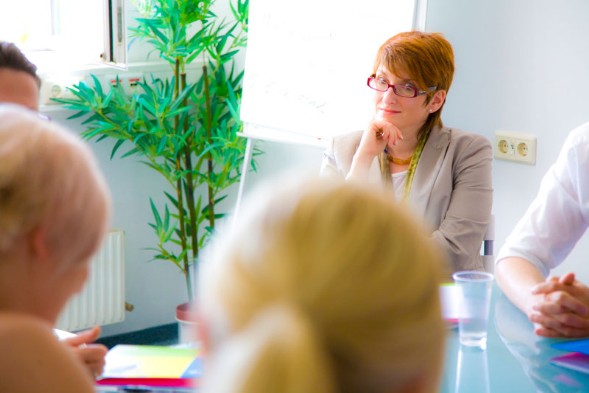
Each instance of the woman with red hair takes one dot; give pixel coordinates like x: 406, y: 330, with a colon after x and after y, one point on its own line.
x: 442, y: 173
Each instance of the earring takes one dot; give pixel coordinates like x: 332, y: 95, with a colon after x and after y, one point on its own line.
x: 431, y: 110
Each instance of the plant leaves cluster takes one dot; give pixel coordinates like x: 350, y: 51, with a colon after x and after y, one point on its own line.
x: 187, y: 131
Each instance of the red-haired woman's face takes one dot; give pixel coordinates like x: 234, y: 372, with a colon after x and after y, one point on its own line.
x: 407, y: 113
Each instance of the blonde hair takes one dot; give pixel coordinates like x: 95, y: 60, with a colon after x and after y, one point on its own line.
x: 325, y: 286
x: 49, y: 180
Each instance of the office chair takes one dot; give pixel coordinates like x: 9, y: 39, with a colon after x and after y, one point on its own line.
x: 487, y: 246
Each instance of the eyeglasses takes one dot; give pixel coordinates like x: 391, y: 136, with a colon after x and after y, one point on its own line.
x: 406, y: 91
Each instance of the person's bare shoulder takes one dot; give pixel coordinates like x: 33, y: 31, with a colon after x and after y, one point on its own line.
x: 33, y: 360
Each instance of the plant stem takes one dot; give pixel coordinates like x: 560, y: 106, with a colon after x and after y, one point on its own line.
x: 189, y: 186
x: 179, y: 189
x: 211, y: 194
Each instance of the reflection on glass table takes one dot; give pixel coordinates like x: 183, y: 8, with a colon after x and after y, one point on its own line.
x: 516, y: 360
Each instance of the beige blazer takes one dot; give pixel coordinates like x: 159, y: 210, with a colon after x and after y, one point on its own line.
x: 452, y: 189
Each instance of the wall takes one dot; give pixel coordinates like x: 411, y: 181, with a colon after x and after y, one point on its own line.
x: 521, y: 66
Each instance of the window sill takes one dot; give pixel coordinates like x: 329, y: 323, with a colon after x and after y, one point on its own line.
x: 54, y: 84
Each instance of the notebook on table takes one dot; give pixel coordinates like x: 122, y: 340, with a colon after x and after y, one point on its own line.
x: 449, y: 299
x: 145, y: 366
x: 577, y: 358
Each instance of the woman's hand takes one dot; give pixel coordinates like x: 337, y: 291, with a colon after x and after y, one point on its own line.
x: 563, y: 309
x: 376, y: 137
x: 92, y: 355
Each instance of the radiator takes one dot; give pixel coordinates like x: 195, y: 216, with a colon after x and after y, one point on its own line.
x: 102, y: 300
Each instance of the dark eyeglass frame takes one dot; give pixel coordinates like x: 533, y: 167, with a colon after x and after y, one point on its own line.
x: 416, y: 92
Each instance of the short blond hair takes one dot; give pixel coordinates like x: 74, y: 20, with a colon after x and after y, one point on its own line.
x: 49, y: 179
x: 324, y: 286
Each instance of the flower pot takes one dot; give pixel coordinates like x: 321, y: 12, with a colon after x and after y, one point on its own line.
x: 187, y: 331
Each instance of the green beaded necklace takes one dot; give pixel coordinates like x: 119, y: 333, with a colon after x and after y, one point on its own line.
x: 386, y: 169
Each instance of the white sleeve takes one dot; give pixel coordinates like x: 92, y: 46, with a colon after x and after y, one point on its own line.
x: 559, y: 214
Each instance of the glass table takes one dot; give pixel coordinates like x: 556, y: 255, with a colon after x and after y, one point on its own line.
x: 516, y: 360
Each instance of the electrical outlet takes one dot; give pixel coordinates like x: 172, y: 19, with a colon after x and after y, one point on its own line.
x: 129, y: 81
x: 56, y: 87
x: 515, y: 147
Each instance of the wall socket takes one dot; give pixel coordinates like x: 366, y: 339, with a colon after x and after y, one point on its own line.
x: 514, y: 146
x: 57, y: 87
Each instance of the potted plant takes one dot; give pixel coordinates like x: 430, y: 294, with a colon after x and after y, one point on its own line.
x: 185, y: 131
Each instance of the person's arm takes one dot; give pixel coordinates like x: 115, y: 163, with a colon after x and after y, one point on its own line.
x: 464, y: 223
x: 558, y: 306
x: 351, y: 156
x: 516, y: 277
x: 378, y: 134
x: 543, y: 238
x: 34, y: 360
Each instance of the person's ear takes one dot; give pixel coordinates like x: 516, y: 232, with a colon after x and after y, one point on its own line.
x: 437, y: 101
x: 38, y: 243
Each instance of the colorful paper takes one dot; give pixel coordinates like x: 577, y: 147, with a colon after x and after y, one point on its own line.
x: 449, y: 298
x: 575, y: 361
x: 146, y: 365
x: 581, y: 346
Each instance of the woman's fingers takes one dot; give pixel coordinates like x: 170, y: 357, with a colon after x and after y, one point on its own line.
x: 385, y: 131
x: 567, y: 279
x: 564, y: 332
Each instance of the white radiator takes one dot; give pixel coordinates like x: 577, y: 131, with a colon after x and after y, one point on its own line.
x: 102, y: 301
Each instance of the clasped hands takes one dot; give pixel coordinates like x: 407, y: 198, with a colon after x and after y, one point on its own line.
x: 562, y: 307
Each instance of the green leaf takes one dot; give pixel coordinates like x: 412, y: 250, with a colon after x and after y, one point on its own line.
x: 97, y: 85
x: 156, y: 214
x: 159, y: 123
x: 116, y: 147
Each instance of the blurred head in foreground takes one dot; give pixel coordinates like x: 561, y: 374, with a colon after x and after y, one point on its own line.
x: 19, y: 82
x: 322, y: 286
x: 54, y: 208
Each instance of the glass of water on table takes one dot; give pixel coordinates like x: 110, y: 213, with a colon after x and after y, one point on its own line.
x: 474, y: 302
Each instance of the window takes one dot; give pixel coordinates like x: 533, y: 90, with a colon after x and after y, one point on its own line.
x: 65, y: 34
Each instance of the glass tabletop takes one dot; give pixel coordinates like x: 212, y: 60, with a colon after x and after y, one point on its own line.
x: 516, y: 360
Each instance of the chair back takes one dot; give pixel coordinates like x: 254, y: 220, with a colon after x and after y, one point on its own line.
x: 487, y: 247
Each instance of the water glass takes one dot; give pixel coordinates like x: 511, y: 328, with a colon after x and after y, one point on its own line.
x: 474, y: 298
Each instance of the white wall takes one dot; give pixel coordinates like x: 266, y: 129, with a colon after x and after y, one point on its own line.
x: 521, y: 66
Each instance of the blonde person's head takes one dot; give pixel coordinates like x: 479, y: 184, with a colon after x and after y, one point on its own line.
x: 49, y: 181
x: 323, y: 286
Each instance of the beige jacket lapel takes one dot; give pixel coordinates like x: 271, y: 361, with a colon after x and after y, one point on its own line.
x: 426, y: 173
